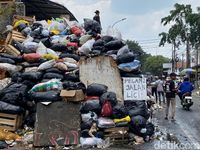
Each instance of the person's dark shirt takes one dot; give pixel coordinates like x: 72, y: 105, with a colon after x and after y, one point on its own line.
x: 170, y: 89
x: 97, y: 18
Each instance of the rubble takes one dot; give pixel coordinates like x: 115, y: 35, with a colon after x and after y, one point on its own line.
x: 40, y: 63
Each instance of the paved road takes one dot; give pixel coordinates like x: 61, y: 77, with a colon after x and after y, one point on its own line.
x: 186, y: 128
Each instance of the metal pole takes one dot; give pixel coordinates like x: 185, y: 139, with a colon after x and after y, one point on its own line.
x: 197, y: 62
x: 118, y: 21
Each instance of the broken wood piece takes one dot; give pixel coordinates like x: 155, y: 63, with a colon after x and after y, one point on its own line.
x: 12, y: 50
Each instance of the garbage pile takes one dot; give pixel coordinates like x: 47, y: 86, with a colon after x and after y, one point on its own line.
x: 47, y: 61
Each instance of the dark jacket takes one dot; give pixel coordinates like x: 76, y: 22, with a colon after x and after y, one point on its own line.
x: 97, y: 18
x: 170, y: 89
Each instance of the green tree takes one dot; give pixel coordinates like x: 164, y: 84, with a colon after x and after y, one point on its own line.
x: 154, y: 64
x: 180, y: 31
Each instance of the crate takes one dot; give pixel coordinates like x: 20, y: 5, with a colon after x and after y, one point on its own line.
x: 6, y: 1
x: 26, y: 18
x: 117, y: 135
x: 10, y: 122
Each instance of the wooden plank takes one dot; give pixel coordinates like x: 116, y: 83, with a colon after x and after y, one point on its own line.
x: 7, y: 128
x: 8, y: 115
x: 7, y: 122
x: 117, y: 129
x: 18, y: 39
x: 12, y: 50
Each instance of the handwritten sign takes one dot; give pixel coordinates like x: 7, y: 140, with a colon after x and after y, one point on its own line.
x: 135, y: 88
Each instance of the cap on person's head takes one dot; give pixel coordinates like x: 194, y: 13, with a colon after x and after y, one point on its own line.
x: 172, y: 74
x: 97, y: 12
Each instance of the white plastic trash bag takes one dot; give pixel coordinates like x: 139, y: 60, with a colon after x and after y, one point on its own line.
x: 41, y: 49
x: 123, y: 50
x: 114, y: 33
x: 91, y: 116
x: 47, y: 65
x: 87, y: 47
x: 93, y: 141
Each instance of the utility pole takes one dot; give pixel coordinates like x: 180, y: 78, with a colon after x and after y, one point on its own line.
x: 182, y: 61
x: 197, y: 63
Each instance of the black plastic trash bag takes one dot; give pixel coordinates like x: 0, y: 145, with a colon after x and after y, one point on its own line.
x: 121, y: 124
x: 33, y: 76
x: 92, y: 25
x: 30, y: 120
x: 6, y: 60
x: 16, y: 77
x: 46, y: 42
x: 150, y: 129
x: 135, y: 108
x: 114, y: 45
x: 21, y: 27
x: 11, y: 109
x: 14, y: 94
x: 71, y: 77
x: 107, y: 38
x: 137, y: 124
x: 3, y: 145
x: 17, y: 59
x: 68, y: 85
x: 49, y: 96
x: 54, y: 70
x: 53, y: 76
x: 96, y: 89
x: 17, y: 45
x: 92, y: 106
x: 119, y: 112
x: 99, y: 42
x: 108, y: 96
x: 74, y: 56
x: 131, y: 74
x: 128, y: 57
x: 60, y: 48
x: 138, y: 121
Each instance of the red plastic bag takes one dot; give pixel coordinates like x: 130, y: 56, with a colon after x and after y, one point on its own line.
x: 75, y: 30
x: 32, y: 57
x: 106, y: 110
x: 72, y: 44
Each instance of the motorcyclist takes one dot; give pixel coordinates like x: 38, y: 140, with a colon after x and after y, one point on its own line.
x: 185, y: 87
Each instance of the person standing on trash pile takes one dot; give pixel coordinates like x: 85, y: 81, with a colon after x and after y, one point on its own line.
x: 160, y: 90
x: 97, y: 17
x: 170, y: 89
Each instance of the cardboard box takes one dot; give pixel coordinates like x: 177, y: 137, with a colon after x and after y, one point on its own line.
x: 72, y: 95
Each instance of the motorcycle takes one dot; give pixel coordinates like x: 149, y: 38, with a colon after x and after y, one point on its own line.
x: 186, y: 101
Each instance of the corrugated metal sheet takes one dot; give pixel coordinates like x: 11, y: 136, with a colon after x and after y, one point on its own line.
x: 102, y: 70
x: 45, y: 9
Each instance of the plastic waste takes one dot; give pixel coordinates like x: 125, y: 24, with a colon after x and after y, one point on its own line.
x: 96, y: 89
x: 61, y: 66
x: 53, y: 84
x: 109, y: 96
x: 114, y: 33
x: 91, y: 116
x: 87, y: 47
x: 6, y: 135
x: 32, y: 57
x: 47, y: 65
x: 130, y: 67
x: 50, y: 57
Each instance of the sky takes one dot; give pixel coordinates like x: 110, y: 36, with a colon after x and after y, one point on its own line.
x: 143, y: 18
